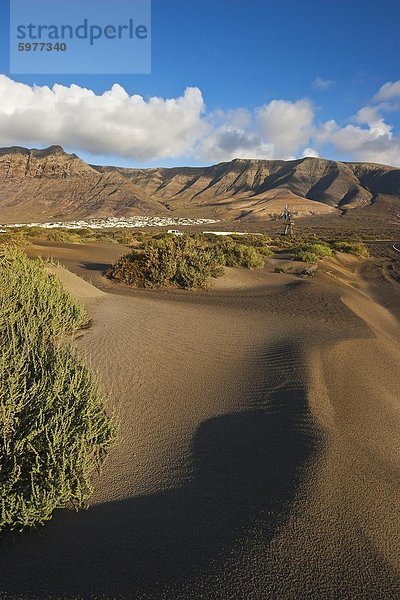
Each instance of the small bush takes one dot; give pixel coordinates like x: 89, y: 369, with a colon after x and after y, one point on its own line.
x: 281, y: 242
x: 234, y: 254
x: 75, y: 236
x: 257, y: 241
x: 13, y: 238
x: 180, y: 261
x: 306, y: 256
x: 311, y: 252
x: 356, y: 248
x: 54, y: 430
x: 28, y: 231
x: 260, y: 242
x: 265, y: 251
x: 184, y: 261
x: 80, y: 236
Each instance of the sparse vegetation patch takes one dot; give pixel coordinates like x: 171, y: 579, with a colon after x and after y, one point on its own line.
x: 311, y: 252
x: 351, y: 247
x: 184, y: 261
x: 238, y: 254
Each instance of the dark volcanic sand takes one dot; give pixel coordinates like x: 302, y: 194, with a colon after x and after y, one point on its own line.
x: 259, y: 447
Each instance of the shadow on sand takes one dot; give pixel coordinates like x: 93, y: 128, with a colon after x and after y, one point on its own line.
x: 96, y: 267
x: 248, y: 465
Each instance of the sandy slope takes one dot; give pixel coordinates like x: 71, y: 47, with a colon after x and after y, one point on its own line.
x: 259, y: 451
x: 79, y: 287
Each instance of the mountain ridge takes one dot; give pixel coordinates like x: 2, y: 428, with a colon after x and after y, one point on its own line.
x: 46, y: 184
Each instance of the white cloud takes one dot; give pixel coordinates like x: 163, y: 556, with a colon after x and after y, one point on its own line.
x: 227, y: 143
x: 374, y: 143
x: 310, y: 152
x: 369, y: 138
x: 388, y: 91
x: 324, y: 131
x: 110, y: 123
x: 364, y: 145
x: 276, y: 130
x: 287, y: 125
x: 377, y: 126
x: 233, y: 134
x: 129, y: 126
x: 322, y: 84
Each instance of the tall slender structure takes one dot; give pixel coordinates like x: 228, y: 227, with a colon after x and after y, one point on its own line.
x: 288, y: 220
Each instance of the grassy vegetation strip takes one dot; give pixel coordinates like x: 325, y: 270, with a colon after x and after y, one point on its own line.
x: 185, y: 261
x: 351, y: 247
x: 313, y: 251
x: 54, y: 430
x: 70, y: 236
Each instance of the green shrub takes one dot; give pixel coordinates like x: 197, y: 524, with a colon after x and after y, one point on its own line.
x: 74, y: 236
x: 357, y: 248
x: 311, y: 252
x: 28, y: 231
x: 79, y: 236
x: 126, y: 239
x: 244, y: 256
x: 180, y: 261
x: 184, y: 261
x: 13, y: 238
x: 54, y: 430
x: 306, y: 256
x: 265, y: 251
x: 62, y: 235
x: 281, y: 241
x: 235, y: 254
x: 260, y: 242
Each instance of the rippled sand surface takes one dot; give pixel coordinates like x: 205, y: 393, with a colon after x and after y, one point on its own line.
x: 258, y: 454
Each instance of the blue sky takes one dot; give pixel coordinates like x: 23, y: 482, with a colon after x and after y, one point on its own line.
x: 242, y: 56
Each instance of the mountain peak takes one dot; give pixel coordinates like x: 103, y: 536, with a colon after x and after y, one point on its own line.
x: 51, y: 150
x: 55, y: 150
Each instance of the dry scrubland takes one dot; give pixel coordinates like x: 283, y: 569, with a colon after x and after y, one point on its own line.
x: 191, y: 261
x: 186, y: 261
x: 258, y: 455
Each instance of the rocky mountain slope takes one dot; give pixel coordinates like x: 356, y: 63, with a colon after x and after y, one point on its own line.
x: 51, y: 184
x: 254, y: 189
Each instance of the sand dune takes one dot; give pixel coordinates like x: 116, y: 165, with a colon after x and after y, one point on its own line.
x: 79, y: 287
x: 259, y: 453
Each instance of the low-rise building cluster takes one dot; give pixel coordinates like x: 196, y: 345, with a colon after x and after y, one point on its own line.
x: 118, y: 222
